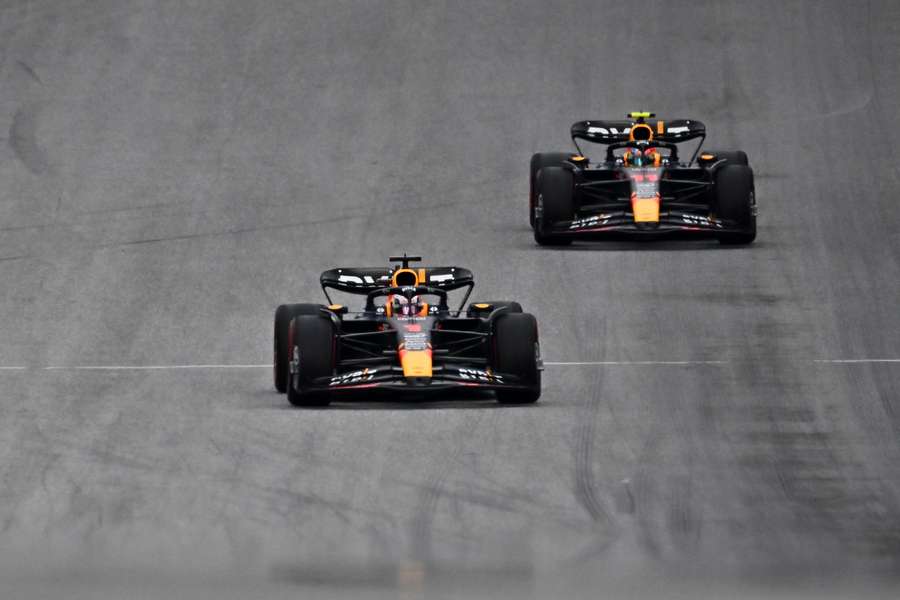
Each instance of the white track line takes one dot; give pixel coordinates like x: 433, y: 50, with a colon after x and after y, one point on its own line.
x: 549, y: 364
x: 639, y: 363
x: 852, y: 361
x: 149, y: 367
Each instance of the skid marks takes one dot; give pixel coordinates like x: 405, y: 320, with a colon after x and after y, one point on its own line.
x: 605, y: 531
x: 432, y: 490
x: 586, y: 492
x: 664, y: 493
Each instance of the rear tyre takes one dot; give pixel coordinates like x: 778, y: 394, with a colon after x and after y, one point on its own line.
x: 283, y: 316
x: 312, y: 343
x: 555, y: 203
x: 538, y: 162
x: 735, y: 201
x: 517, y: 353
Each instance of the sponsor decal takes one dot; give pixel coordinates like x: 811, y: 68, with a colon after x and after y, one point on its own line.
x: 641, y: 174
x: 294, y: 365
x: 660, y: 128
x: 479, y: 375
x: 700, y: 220
x: 415, y: 341
x: 594, y: 221
x: 354, y: 377
x: 610, y: 131
x: 645, y: 189
x: 361, y: 279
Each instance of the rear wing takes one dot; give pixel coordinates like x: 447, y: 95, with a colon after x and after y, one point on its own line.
x: 361, y: 281
x: 610, y: 132
x: 639, y: 127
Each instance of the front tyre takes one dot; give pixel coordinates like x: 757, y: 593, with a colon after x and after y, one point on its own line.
x: 517, y: 352
x: 555, y: 203
x: 735, y: 201
x: 283, y: 316
x: 538, y: 162
x: 311, y: 342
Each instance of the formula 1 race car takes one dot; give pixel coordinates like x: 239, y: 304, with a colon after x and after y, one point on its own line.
x: 399, y: 342
x: 641, y: 187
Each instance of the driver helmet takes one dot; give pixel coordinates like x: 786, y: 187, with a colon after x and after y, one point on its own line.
x: 400, y: 306
x: 642, y: 156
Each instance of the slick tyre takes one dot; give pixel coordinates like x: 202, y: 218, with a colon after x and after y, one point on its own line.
x: 555, y: 203
x: 735, y: 201
x: 731, y: 157
x: 283, y: 316
x: 311, y: 342
x: 538, y: 162
x: 517, y: 352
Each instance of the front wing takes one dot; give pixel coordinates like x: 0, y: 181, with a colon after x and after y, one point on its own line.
x: 623, y: 222
x: 443, y: 378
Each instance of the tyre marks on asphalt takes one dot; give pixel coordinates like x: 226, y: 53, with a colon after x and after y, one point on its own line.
x: 816, y: 476
x: 29, y: 70
x: 23, y: 139
x: 433, y: 489
x: 586, y: 492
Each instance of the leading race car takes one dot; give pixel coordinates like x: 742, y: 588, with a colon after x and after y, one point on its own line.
x: 641, y: 187
x: 406, y: 338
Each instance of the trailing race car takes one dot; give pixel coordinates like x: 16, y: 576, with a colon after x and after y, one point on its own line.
x: 399, y: 342
x: 641, y: 187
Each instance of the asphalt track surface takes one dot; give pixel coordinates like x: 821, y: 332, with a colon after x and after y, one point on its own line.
x: 174, y: 170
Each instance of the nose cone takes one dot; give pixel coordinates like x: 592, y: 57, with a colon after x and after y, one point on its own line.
x: 646, y: 209
x: 416, y: 363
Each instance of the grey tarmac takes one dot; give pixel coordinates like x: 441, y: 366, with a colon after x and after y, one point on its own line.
x: 171, y: 171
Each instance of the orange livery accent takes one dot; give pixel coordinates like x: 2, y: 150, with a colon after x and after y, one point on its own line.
x: 646, y: 210
x: 416, y: 363
x: 643, y: 136
x: 405, y: 278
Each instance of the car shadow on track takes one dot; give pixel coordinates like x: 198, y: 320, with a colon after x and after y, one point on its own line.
x: 649, y: 246
x: 639, y: 246
x: 612, y: 242
x: 266, y: 400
